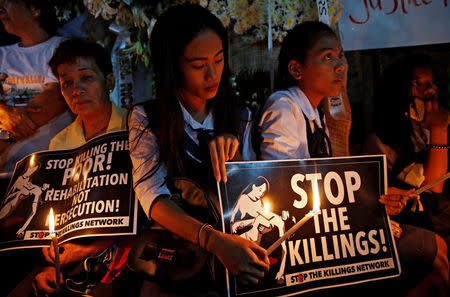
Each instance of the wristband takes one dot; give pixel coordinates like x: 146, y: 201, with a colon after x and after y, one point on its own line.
x: 437, y: 146
x: 200, y: 231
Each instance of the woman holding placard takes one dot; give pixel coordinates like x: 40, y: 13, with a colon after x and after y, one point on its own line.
x: 191, y: 127
x: 85, y: 76
x: 312, y: 67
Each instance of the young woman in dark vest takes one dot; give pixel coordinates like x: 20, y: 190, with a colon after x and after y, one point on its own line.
x: 312, y: 67
x: 187, y: 131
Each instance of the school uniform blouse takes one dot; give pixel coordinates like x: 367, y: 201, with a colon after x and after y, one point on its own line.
x: 283, y: 125
x: 144, y: 152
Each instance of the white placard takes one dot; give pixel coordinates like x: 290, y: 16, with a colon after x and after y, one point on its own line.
x: 369, y: 24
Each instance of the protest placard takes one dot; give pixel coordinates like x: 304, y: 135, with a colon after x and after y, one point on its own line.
x: 347, y: 241
x: 371, y: 24
x: 89, y: 188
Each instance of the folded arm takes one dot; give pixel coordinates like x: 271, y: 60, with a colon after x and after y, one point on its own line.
x: 23, y: 121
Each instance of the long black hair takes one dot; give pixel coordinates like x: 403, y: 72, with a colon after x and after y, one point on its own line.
x: 259, y: 181
x: 173, y: 31
x: 295, y: 46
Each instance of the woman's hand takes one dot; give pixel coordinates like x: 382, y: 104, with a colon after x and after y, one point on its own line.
x: 69, y: 253
x: 222, y: 149
x: 436, y: 117
x: 45, y: 282
x: 396, y: 199
x: 73, y: 253
x: 17, y: 121
x: 243, y: 258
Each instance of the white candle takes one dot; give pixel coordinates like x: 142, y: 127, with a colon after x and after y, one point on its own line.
x: 55, y: 245
x: 425, y: 188
x: 431, y: 184
x: 294, y: 228
x: 307, y: 217
x: 266, y: 207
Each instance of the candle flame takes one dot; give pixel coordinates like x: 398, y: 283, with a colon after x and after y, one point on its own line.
x: 51, y: 223
x: 32, y: 160
x: 316, y: 196
x: 267, y: 207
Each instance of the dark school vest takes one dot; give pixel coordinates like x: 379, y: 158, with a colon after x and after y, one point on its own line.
x: 319, y: 145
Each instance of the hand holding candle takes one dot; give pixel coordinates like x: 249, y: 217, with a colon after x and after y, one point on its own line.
x: 55, y: 246
x: 294, y: 228
x: 431, y: 184
x: 425, y: 188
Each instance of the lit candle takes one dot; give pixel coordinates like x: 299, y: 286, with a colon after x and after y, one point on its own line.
x: 32, y: 160
x: 266, y: 211
x: 55, y: 245
x: 266, y: 207
x: 431, y: 184
x: 307, y: 217
x: 425, y: 188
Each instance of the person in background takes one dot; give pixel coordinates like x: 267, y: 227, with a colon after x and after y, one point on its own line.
x: 86, y: 80
x: 32, y: 109
x: 312, y: 67
x: 85, y: 76
x: 31, y: 106
x: 414, y: 136
x: 413, y: 132
x: 190, y: 131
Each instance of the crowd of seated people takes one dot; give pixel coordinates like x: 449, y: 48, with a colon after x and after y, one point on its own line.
x: 32, y: 109
x: 311, y: 68
x: 195, y: 124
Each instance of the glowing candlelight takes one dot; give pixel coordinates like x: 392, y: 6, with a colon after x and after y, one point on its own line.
x: 266, y: 207
x: 55, y: 245
x: 51, y: 223
x: 32, y: 160
x: 307, y: 217
x: 76, y: 176
x: 265, y: 211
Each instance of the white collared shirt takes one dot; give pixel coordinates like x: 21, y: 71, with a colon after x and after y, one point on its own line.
x: 283, y: 126
x: 191, y: 125
x: 144, y: 152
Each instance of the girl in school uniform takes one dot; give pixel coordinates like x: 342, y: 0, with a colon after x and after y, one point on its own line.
x: 190, y: 130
